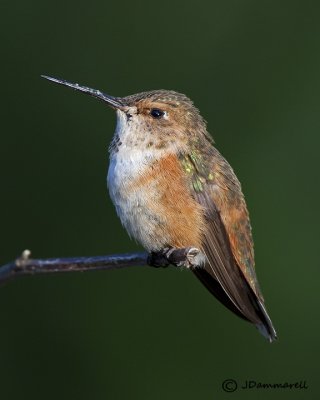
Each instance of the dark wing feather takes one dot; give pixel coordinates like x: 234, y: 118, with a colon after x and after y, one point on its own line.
x: 216, y: 289
x: 223, y: 277
x: 229, y: 272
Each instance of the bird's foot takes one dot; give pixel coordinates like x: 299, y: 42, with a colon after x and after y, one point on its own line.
x: 185, y: 257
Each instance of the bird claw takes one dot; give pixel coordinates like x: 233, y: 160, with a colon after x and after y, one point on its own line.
x: 185, y: 257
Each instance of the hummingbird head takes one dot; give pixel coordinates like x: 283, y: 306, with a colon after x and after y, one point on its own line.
x: 164, y: 115
x: 157, y: 119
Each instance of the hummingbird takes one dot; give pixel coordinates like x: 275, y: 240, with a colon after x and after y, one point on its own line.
x: 172, y: 189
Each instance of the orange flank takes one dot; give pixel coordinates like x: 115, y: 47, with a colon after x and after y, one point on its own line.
x: 183, y: 216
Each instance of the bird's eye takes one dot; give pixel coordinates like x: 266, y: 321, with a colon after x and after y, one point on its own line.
x: 156, y: 113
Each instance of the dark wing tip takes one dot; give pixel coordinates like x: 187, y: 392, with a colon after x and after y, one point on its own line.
x: 269, y: 334
x: 265, y: 327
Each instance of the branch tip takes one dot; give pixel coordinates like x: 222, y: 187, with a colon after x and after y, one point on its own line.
x: 23, y: 259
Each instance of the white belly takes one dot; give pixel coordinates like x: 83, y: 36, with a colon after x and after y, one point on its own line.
x: 137, y: 209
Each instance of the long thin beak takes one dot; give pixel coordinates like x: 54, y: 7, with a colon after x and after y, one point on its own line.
x: 114, y: 102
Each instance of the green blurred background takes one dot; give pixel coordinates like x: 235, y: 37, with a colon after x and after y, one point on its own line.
x: 253, y: 70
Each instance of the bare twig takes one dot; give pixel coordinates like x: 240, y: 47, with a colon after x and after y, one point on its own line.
x: 28, y: 266
x: 24, y: 265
